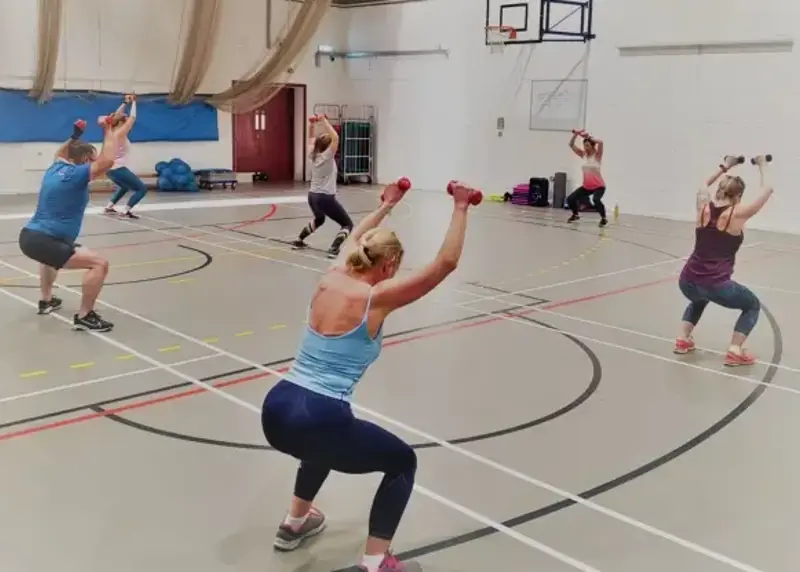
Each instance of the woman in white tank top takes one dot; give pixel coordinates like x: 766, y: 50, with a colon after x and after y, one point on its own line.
x: 120, y: 174
x: 594, y: 186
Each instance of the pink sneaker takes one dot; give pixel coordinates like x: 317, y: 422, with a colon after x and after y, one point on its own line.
x: 392, y: 564
x: 733, y: 359
x: 683, y: 346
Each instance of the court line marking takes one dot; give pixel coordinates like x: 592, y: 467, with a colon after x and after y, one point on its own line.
x: 468, y: 306
x: 97, y: 380
x: 486, y: 521
x: 184, y: 205
x: 689, y: 545
x: 655, y: 337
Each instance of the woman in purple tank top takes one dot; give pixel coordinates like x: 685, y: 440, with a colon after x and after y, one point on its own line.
x: 706, y: 276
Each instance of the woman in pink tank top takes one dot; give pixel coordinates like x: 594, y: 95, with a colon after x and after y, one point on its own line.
x: 706, y: 277
x: 594, y: 186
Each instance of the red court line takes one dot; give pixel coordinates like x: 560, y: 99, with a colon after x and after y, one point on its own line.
x: 252, y: 377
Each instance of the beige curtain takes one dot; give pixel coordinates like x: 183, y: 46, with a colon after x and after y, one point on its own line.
x: 257, y: 88
x: 47, y: 44
x: 198, y: 48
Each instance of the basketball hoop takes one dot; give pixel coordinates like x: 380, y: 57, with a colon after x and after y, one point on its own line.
x: 497, y: 36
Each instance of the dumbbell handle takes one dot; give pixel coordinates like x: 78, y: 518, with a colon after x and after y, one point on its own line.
x: 768, y: 157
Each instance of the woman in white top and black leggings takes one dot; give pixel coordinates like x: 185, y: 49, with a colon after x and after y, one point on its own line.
x: 322, y: 193
x: 594, y: 186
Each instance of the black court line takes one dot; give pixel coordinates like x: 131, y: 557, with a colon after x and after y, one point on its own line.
x: 594, y: 383
x: 239, y: 371
x: 205, y: 264
x: 625, y: 478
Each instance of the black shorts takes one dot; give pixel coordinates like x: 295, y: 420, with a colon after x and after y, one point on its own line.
x: 46, y: 249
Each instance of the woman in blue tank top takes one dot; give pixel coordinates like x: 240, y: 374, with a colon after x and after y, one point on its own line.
x: 706, y: 276
x: 307, y: 414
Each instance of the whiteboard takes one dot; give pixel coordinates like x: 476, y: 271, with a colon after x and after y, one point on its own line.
x: 558, y: 104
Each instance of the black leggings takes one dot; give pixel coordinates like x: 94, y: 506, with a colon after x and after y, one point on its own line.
x: 323, y: 205
x: 584, y: 196
x: 322, y: 433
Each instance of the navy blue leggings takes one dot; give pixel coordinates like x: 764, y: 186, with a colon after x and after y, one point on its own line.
x: 126, y: 181
x: 324, y: 435
x: 728, y: 295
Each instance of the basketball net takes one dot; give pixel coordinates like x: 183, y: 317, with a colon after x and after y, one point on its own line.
x: 497, y: 36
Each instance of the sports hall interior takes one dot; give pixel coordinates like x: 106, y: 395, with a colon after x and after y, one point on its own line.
x: 555, y: 428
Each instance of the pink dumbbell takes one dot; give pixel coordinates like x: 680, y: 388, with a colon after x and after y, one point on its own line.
x: 475, y: 196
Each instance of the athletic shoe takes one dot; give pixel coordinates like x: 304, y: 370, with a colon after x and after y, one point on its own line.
x: 683, y: 346
x: 129, y: 214
x: 391, y: 564
x: 332, y: 253
x: 603, y: 222
x: 733, y: 359
x: 91, y: 322
x: 46, y: 307
x: 298, y: 244
x: 110, y: 211
x: 288, y: 539
x: 573, y: 218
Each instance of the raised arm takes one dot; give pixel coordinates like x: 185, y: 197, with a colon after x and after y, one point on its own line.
x: 575, y: 149
x: 331, y: 133
x: 77, y: 131
x: 105, y: 160
x: 391, y: 195
x: 704, y: 192
x: 599, y: 147
x: 747, y: 211
x: 126, y: 127
x: 401, y: 291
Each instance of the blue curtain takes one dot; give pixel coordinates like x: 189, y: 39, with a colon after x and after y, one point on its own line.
x: 23, y: 120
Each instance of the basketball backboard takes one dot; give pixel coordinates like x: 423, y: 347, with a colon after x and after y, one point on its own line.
x: 537, y: 21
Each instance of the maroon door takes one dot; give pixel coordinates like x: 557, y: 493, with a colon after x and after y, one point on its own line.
x: 263, y: 140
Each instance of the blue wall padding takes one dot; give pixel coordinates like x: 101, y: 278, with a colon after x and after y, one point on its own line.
x: 176, y: 175
x: 24, y: 120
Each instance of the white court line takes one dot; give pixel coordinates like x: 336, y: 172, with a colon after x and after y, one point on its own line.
x: 654, y: 337
x: 488, y: 462
x: 467, y: 306
x: 183, y: 205
x: 257, y: 410
x: 100, y: 380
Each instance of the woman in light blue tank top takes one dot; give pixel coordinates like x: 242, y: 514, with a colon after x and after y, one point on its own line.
x: 307, y: 414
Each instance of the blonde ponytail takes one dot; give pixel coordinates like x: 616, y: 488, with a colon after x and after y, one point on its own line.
x: 375, y: 247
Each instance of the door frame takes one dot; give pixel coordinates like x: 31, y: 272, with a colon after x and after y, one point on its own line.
x: 300, y: 124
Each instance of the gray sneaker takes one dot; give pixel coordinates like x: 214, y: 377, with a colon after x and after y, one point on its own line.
x: 288, y: 539
x: 391, y: 564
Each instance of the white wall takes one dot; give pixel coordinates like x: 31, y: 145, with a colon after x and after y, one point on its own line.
x: 123, y: 45
x: 437, y: 116
x: 669, y: 119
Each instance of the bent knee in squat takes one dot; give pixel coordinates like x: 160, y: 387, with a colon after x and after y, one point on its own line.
x: 87, y: 260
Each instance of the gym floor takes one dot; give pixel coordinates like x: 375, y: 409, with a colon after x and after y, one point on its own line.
x: 538, y: 378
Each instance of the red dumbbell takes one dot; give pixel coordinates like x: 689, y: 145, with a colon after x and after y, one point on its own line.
x: 475, y: 196
x: 403, y: 183
x: 80, y: 124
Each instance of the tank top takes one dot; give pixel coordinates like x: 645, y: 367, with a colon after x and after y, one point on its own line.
x: 714, y: 255
x: 592, y: 178
x: 121, y: 154
x: 333, y: 365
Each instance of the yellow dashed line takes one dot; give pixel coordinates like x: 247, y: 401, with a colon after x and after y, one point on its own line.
x: 210, y: 340
x: 125, y: 357
x: 180, y: 281
x: 277, y: 327
x: 28, y: 374
x: 169, y: 349
x: 243, y: 334
x: 82, y: 365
